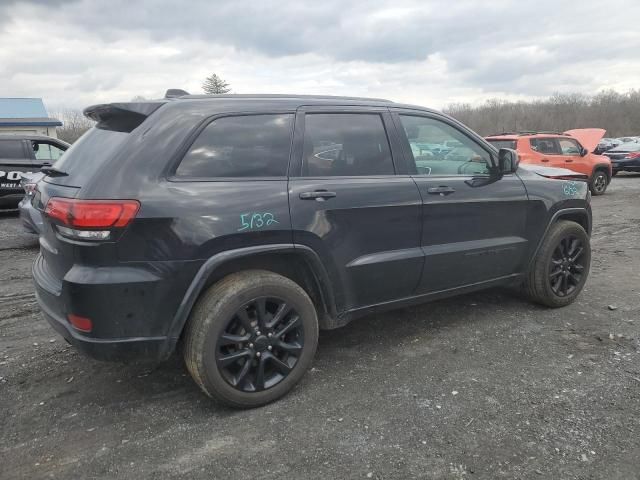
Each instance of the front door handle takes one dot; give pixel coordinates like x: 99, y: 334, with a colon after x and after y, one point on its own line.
x: 441, y: 190
x: 569, y: 160
x: 319, y: 195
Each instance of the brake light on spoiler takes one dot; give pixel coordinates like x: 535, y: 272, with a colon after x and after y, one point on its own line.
x: 90, y: 219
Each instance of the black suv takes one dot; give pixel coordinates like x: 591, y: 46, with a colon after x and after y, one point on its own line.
x: 237, y: 226
x: 23, y: 154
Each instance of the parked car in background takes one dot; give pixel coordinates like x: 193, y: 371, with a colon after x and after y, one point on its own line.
x: 24, y: 154
x: 572, y: 150
x: 623, y: 140
x: 31, y: 218
x: 233, y: 227
x: 625, y: 157
x: 606, y: 144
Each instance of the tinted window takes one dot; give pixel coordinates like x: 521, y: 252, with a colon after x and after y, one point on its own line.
x: 46, y: 152
x: 243, y: 146
x: 569, y: 147
x: 502, y: 143
x: 345, y: 144
x: 11, y: 149
x: 545, y: 145
x: 87, y: 153
x: 440, y: 149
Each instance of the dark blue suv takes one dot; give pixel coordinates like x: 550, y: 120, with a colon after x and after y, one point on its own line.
x: 237, y: 226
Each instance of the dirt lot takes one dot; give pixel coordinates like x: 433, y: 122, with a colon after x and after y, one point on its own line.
x: 481, y: 386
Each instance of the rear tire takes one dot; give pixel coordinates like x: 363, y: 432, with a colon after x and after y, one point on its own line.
x: 599, y: 183
x: 561, y: 266
x: 250, y: 338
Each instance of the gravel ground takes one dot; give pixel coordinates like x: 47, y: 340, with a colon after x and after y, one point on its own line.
x: 480, y: 386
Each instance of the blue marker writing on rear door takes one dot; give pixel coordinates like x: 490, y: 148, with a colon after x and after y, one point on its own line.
x: 256, y: 221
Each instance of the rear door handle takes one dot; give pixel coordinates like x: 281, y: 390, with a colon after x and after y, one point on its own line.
x: 441, y: 190
x: 544, y: 159
x: 319, y: 195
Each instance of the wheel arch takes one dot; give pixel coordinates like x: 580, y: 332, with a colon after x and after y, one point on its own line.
x: 605, y: 168
x: 299, y: 263
x: 581, y: 216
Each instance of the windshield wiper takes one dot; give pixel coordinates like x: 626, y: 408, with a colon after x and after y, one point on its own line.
x: 54, y: 172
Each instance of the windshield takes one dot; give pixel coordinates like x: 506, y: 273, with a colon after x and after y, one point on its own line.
x: 502, y: 143
x: 85, y: 156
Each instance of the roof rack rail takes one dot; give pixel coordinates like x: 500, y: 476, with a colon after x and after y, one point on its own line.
x: 285, y: 96
x: 539, y: 132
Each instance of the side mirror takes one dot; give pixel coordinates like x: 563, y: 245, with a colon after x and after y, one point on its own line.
x: 583, y: 151
x: 508, y: 161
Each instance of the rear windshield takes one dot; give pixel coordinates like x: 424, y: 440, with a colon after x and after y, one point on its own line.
x: 502, y: 143
x: 86, y: 155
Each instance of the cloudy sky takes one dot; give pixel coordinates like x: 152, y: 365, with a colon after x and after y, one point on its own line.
x: 430, y: 52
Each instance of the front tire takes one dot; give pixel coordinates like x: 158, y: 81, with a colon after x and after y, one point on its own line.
x: 250, y: 338
x: 599, y: 183
x: 561, y: 266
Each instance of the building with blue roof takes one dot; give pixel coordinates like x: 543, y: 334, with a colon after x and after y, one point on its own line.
x: 26, y: 115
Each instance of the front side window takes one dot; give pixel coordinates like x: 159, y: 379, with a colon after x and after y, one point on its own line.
x: 569, y: 147
x: 241, y: 146
x: 46, y: 152
x: 547, y: 146
x: 440, y: 149
x: 345, y: 144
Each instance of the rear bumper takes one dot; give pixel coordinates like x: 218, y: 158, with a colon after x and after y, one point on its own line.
x: 130, y: 308
x: 633, y: 166
x: 113, y: 350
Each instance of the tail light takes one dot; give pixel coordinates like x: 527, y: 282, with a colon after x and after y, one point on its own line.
x: 90, y: 219
x: 633, y: 155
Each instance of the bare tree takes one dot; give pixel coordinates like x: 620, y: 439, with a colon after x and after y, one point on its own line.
x: 74, y: 124
x: 618, y: 113
x: 214, y: 85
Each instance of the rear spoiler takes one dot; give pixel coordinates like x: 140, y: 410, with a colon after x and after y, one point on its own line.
x: 121, y: 117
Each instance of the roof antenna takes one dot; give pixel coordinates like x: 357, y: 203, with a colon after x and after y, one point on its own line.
x: 175, y: 93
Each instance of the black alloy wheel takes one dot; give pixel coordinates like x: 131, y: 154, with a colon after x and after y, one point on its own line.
x: 260, y: 345
x: 567, y: 266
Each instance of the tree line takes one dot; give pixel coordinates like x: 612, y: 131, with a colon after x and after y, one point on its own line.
x: 617, y: 113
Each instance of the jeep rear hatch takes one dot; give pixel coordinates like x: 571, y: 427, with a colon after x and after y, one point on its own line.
x: 115, y: 121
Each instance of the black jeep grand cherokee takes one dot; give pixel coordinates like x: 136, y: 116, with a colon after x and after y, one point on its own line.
x: 236, y: 226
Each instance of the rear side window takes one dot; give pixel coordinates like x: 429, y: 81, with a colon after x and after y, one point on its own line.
x: 502, y: 143
x: 545, y: 145
x: 11, y: 149
x: 345, y: 144
x: 242, y: 146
